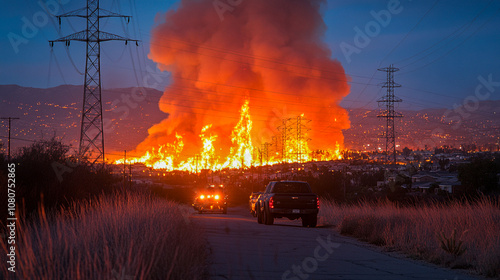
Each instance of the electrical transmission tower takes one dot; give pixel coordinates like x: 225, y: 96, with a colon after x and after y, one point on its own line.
x: 92, y: 134
x: 389, y: 114
x: 301, y: 140
x: 284, y: 130
x: 265, y: 152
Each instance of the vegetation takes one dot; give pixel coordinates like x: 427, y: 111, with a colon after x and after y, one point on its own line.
x: 44, y: 172
x: 480, y: 175
x: 121, y: 236
x: 452, y: 244
x: 77, y: 222
x: 424, y: 231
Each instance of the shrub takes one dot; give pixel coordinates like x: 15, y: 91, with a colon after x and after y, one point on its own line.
x: 413, y: 230
x: 113, y: 237
x: 36, y: 178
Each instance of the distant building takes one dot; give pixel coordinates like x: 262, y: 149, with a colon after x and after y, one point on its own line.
x: 423, y: 186
x: 445, y: 181
x: 450, y: 186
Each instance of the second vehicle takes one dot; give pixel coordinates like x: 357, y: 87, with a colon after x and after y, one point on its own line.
x: 212, y: 198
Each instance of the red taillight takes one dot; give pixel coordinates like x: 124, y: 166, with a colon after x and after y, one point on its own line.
x: 271, y: 203
x: 317, y: 202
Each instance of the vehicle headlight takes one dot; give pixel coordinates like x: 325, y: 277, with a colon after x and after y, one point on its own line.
x: 216, y: 196
x: 202, y: 196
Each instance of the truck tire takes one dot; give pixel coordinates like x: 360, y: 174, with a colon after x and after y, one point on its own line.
x: 268, y: 217
x: 309, y: 220
x: 305, y: 221
x: 313, y: 220
x: 259, y: 215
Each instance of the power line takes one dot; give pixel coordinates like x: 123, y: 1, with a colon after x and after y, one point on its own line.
x: 227, y: 51
x: 273, y: 68
x: 17, y: 138
x: 453, y: 49
x: 464, y: 27
x: 408, y: 33
x: 92, y: 125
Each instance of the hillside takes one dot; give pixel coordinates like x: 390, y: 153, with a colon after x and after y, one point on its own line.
x: 431, y: 127
x: 55, y: 111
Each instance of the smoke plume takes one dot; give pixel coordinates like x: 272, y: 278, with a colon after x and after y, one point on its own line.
x: 269, y: 52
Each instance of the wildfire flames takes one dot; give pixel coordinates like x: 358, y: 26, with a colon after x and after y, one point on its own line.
x: 254, y: 87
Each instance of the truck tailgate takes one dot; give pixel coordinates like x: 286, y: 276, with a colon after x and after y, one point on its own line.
x: 295, y: 201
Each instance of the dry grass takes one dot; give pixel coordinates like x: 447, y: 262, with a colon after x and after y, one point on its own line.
x: 427, y: 232
x: 114, y: 237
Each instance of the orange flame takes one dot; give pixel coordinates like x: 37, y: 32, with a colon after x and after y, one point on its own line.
x: 241, y: 155
x: 271, y: 64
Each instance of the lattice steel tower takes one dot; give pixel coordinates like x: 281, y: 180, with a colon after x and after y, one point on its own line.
x: 92, y: 134
x: 389, y: 114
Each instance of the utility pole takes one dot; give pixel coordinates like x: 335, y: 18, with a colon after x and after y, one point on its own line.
x: 130, y: 174
x: 274, y: 141
x: 8, y: 141
x: 124, y: 168
x: 345, y: 181
x: 389, y: 114
x: 261, y: 153
x: 299, y: 138
x: 92, y: 127
x: 196, y: 159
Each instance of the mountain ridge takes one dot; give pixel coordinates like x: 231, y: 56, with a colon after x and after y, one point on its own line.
x: 47, y: 112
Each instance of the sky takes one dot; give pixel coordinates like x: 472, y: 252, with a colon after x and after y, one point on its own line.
x: 444, y: 49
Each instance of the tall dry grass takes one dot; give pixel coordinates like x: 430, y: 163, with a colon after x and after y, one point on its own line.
x: 419, y: 231
x: 114, y: 237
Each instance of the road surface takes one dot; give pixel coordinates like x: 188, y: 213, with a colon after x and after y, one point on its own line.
x: 243, y: 249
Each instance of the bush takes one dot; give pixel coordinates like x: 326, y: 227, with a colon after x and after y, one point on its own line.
x: 422, y: 231
x: 113, y: 237
x: 37, y: 179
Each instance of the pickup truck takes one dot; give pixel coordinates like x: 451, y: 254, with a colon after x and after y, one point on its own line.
x: 290, y: 199
x: 253, y: 199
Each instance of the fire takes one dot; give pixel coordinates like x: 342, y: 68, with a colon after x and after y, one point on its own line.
x: 256, y: 88
x: 162, y: 158
x: 208, y: 158
x: 295, y: 148
x: 241, y: 155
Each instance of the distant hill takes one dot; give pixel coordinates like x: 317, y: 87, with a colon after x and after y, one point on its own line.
x: 431, y: 127
x: 55, y: 111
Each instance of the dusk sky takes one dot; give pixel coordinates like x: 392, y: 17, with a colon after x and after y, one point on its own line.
x: 441, y: 47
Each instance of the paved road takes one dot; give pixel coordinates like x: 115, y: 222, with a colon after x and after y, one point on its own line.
x: 243, y: 249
